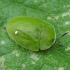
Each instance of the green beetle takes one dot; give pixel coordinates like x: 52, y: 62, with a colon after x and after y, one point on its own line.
x: 31, y: 33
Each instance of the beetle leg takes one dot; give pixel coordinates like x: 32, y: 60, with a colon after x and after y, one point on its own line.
x: 47, y: 50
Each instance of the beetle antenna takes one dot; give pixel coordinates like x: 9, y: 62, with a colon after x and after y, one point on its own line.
x: 64, y: 34
x: 61, y: 37
x: 58, y: 44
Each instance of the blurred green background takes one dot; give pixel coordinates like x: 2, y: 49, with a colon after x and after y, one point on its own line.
x: 14, y: 57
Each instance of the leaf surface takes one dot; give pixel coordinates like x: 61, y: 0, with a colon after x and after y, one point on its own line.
x: 14, y: 57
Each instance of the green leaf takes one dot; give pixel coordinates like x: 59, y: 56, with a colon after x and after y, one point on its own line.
x: 14, y: 57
